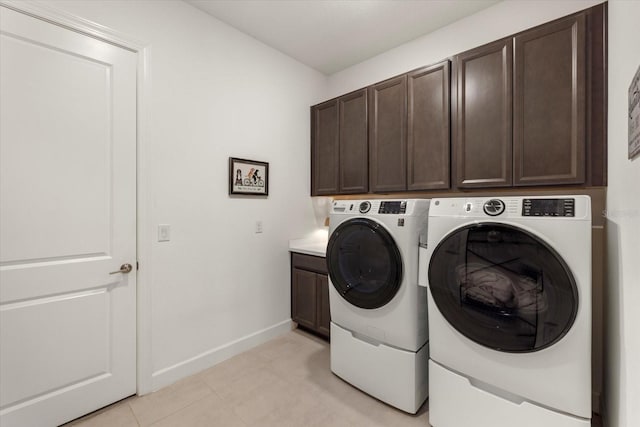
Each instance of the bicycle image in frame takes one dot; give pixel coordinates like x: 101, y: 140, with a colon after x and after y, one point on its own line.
x: 248, y: 177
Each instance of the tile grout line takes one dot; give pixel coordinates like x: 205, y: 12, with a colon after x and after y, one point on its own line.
x: 175, y: 412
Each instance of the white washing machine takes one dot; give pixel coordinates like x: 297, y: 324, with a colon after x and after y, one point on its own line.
x: 509, y: 283
x: 379, y: 329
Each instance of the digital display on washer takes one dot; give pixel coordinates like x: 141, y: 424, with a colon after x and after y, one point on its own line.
x: 548, y: 207
x: 394, y: 207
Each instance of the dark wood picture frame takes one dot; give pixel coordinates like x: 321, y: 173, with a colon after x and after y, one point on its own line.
x: 248, y: 177
x: 634, y: 115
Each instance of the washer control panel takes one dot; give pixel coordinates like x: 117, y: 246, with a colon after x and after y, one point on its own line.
x: 393, y: 207
x: 548, y: 207
x: 512, y: 207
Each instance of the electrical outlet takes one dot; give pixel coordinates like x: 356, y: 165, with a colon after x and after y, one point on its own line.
x: 258, y: 226
x: 164, y: 232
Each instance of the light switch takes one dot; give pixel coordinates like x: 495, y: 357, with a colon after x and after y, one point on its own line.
x: 164, y: 233
x: 258, y: 226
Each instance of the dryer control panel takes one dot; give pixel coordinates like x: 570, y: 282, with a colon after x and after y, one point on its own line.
x: 548, y: 207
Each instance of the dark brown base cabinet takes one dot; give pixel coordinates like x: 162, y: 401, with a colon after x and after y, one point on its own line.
x: 310, y: 293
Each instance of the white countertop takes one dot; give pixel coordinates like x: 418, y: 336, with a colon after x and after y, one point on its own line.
x: 316, y: 246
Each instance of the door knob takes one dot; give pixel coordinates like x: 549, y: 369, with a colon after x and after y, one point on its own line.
x: 124, y: 268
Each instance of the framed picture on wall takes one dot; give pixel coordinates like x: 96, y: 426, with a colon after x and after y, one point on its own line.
x: 248, y: 177
x: 634, y: 115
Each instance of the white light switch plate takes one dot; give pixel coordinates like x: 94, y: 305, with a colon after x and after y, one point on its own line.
x: 164, y: 233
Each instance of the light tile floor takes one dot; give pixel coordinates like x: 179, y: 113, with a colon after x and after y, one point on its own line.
x: 284, y: 382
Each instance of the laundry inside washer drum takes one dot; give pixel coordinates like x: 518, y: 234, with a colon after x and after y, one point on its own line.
x: 503, y: 287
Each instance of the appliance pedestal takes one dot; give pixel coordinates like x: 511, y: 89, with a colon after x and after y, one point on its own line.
x: 456, y: 401
x: 397, y: 377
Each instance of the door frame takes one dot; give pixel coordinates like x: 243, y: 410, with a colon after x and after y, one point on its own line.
x: 144, y: 235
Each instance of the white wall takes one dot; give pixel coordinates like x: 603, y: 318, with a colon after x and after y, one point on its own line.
x: 501, y: 20
x: 622, y: 361
x: 217, y: 93
x: 216, y: 287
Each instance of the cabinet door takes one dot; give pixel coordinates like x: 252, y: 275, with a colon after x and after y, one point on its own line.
x: 549, y: 100
x: 322, y: 310
x: 303, y: 298
x: 428, y: 159
x: 353, y: 142
x: 387, y: 135
x: 596, y: 125
x: 324, y: 148
x: 483, y: 131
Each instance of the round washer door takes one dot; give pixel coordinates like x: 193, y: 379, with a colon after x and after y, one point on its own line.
x: 364, y: 263
x: 502, y: 287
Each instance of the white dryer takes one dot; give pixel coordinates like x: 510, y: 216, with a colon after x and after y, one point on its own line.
x: 379, y: 328
x: 509, y: 283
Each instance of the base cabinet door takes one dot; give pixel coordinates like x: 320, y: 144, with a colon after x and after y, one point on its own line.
x: 303, y: 295
x: 310, y: 293
x: 324, y: 316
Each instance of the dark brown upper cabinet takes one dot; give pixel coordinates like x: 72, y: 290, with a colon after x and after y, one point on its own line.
x: 325, y: 150
x: 339, y: 161
x: 388, y: 135
x: 429, y: 128
x: 550, y: 129
x: 409, y: 125
x: 527, y: 110
x: 549, y: 104
x: 353, y: 142
x: 483, y: 111
x: 596, y: 126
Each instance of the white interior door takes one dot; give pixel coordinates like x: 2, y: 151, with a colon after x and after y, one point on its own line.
x: 67, y: 219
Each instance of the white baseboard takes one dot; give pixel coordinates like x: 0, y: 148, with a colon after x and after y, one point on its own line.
x: 171, y: 374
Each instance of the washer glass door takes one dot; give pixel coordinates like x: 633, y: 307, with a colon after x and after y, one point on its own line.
x: 503, y: 287
x: 364, y: 263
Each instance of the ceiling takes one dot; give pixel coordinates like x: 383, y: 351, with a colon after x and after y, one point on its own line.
x: 331, y: 35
